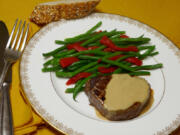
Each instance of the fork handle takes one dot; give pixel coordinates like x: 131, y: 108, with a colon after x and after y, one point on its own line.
x: 4, y: 71
x: 6, y: 123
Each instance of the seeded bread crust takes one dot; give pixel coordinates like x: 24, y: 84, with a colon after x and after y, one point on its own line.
x: 52, y: 11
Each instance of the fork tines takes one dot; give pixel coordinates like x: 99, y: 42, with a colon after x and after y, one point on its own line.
x: 19, y: 40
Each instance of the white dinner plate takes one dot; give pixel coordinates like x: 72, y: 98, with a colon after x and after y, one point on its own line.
x: 46, y: 92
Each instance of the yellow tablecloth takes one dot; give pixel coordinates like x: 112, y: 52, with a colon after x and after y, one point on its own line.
x: 164, y: 15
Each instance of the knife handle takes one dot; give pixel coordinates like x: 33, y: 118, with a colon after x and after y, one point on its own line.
x: 6, y: 123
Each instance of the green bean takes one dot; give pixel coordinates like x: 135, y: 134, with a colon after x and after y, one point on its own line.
x: 88, y: 57
x: 117, y: 71
x: 50, y: 69
x: 70, y: 74
x: 101, y: 47
x: 78, y: 64
x: 54, y: 51
x: 85, y: 67
x: 79, y: 39
x: 145, y: 54
x: 63, y: 54
x: 60, y: 42
x: 148, y: 67
x: 139, y: 73
x: 95, y: 27
x: 86, y: 33
x: 126, y: 63
x: 47, y: 63
x: 125, y: 43
x: 140, y: 43
x: 141, y: 36
x: 88, y: 36
x: 132, y: 40
x: 112, y: 54
x: 137, y: 54
x: 69, y: 90
x: 54, y: 62
x: 95, y: 44
x: 79, y: 87
x: 145, y: 47
x: 116, y: 36
x: 153, y: 53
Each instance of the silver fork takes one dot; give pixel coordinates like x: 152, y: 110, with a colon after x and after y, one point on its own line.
x: 14, y: 48
x: 13, y: 51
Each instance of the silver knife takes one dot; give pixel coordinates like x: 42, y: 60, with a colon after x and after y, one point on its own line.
x: 4, y: 35
x: 6, y: 124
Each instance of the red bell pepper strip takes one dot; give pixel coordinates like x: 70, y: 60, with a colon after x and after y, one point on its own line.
x: 134, y: 60
x: 65, y: 62
x: 71, y: 46
x: 106, y: 41
x: 109, y: 50
x: 124, y: 36
x: 92, y: 47
x: 99, y: 60
x: 77, y: 77
x: 106, y: 70
x: 77, y: 46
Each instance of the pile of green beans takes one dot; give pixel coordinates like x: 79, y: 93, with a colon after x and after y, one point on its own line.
x: 89, y: 63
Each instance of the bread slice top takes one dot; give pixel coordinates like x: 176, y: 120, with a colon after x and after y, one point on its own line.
x: 59, y: 2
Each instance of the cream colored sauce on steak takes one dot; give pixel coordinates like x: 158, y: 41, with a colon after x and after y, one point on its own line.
x: 123, y: 91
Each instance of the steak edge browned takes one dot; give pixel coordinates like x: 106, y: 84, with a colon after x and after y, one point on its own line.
x: 95, y: 90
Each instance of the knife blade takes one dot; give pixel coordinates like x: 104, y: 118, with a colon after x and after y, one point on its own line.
x: 4, y: 35
x: 6, y: 125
